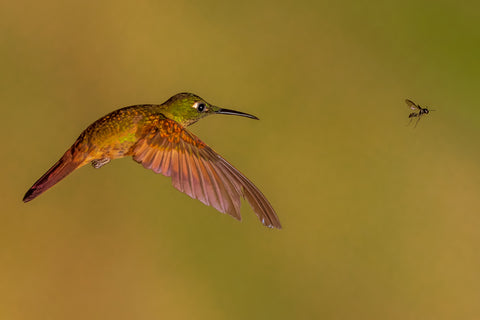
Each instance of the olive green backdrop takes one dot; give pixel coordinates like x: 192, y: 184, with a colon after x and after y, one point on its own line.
x: 381, y: 220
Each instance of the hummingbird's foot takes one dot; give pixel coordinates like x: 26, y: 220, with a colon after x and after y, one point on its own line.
x: 98, y: 163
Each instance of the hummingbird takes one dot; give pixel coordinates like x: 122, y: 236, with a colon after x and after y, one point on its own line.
x: 155, y: 135
x: 419, y: 111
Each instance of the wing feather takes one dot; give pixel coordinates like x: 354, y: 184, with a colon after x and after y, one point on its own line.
x: 165, y: 168
x: 214, y: 187
x: 192, y: 178
x: 200, y: 172
x: 198, y: 180
x: 157, y: 161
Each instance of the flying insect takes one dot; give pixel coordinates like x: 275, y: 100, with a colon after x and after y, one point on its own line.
x: 418, y: 113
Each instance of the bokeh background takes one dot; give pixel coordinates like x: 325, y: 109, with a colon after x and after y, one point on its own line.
x: 381, y: 220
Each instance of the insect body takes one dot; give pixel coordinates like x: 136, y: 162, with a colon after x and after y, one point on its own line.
x: 418, y: 113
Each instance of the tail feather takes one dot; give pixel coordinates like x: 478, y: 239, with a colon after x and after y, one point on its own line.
x: 60, y: 170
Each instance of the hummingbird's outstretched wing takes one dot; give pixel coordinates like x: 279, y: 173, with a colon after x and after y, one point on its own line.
x: 200, y: 172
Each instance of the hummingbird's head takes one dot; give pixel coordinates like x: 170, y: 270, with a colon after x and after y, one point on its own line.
x: 187, y: 108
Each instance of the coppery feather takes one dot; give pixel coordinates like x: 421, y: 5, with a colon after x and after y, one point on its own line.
x: 57, y: 172
x: 200, y: 172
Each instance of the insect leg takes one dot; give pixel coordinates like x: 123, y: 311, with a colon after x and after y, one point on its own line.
x: 417, y: 122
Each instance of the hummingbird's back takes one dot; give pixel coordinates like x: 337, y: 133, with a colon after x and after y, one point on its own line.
x: 114, y: 134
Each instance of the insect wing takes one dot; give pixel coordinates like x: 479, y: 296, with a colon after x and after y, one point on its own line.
x: 412, y: 105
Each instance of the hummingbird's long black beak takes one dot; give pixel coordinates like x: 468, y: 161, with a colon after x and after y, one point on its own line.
x: 236, y: 113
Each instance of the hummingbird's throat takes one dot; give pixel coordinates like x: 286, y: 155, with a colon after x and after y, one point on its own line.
x: 187, y: 122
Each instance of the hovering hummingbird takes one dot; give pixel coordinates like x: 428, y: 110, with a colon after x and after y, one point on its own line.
x: 155, y: 136
x: 419, y: 111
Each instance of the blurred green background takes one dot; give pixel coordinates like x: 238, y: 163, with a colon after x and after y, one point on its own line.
x: 381, y: 220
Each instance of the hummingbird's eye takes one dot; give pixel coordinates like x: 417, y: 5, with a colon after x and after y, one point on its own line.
x: 201, y: 107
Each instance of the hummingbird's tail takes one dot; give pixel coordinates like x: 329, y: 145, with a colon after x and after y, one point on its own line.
x: 60, y: 170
